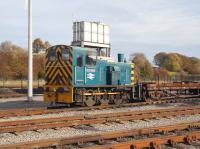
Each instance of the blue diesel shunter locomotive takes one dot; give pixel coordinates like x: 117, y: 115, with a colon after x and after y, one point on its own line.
x: 84, y: 76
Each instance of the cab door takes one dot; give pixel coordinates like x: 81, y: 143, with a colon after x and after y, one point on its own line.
x: 79, y: 72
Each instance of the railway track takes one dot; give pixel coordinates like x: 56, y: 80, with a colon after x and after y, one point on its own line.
x: 40, y: 111
x: 153, y: 142
x: 130, y: 139
x: 58, y: 122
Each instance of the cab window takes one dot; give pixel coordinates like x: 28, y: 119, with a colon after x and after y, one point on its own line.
x: 91, y: 58
x: 79, y: 60
x: 65, y: 54
x: 52, y: 55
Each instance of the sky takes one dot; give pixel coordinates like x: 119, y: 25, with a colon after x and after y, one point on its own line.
x: 147, y: 26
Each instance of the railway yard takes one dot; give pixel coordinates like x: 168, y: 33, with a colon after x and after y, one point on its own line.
x: 170, y: 123
x: 91, y: 101
x: 133, y: 83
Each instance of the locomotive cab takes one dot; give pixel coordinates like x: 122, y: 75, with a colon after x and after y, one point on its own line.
x: 58, y: 75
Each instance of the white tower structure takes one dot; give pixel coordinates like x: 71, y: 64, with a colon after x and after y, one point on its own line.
x: 91, y: 34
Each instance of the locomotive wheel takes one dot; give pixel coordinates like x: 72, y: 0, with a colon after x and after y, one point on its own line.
x: 111, y: 98
x: 124, y: 97
x: 104, y: 100
x: 98, y: 99
x: 117, y: 99
x: 89, y: 101
x: 153, y: 95
x: 128, y: 96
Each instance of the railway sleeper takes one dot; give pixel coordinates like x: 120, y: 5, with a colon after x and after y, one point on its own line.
x: 172, y: 143
x: 154, y: 145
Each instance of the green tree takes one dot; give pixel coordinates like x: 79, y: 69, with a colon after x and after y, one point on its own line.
x: 13, y: 62
x: 195, y: 69
x: 159, y: 58
x: 38, y: 66
x: 47, y: 45
x: 172, y: 62
x: 6, y: 46
x: 38, y: 45
x: 18, y: 63
x: 178, y: 63
x: 144, y: 67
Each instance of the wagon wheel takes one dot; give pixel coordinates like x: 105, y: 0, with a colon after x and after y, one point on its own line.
x: 162, y: 94
x: 158, y: 94
x: 117, y: 99
x: 104, y: 99
x: 144, y: 96
x: 152, y: 95
x: 89, y: 101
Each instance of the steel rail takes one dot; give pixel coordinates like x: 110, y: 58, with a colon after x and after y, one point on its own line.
x: 57, y: 122
x: 165, y: 137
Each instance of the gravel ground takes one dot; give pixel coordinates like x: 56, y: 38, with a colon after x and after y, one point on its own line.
x: 8, y: 138
x: 16, y: 99
x: 21, y: 102
x: 92, y: 112
x: 148, y: 123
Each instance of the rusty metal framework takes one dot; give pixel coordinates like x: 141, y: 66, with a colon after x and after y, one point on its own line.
x: 173, y: 89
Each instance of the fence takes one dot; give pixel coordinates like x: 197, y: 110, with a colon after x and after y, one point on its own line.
x: 177, y: 78
x: 171, y: 78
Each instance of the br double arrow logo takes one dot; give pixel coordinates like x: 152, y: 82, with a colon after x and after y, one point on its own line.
x: 90, y: 76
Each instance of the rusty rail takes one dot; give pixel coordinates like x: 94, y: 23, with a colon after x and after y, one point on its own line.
x: 57, y: 122
x: 40, y: 111
x: 169, y: 134
x: 154, y: 142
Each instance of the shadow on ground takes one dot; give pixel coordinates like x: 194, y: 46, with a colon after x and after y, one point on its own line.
x: 22, y: 103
